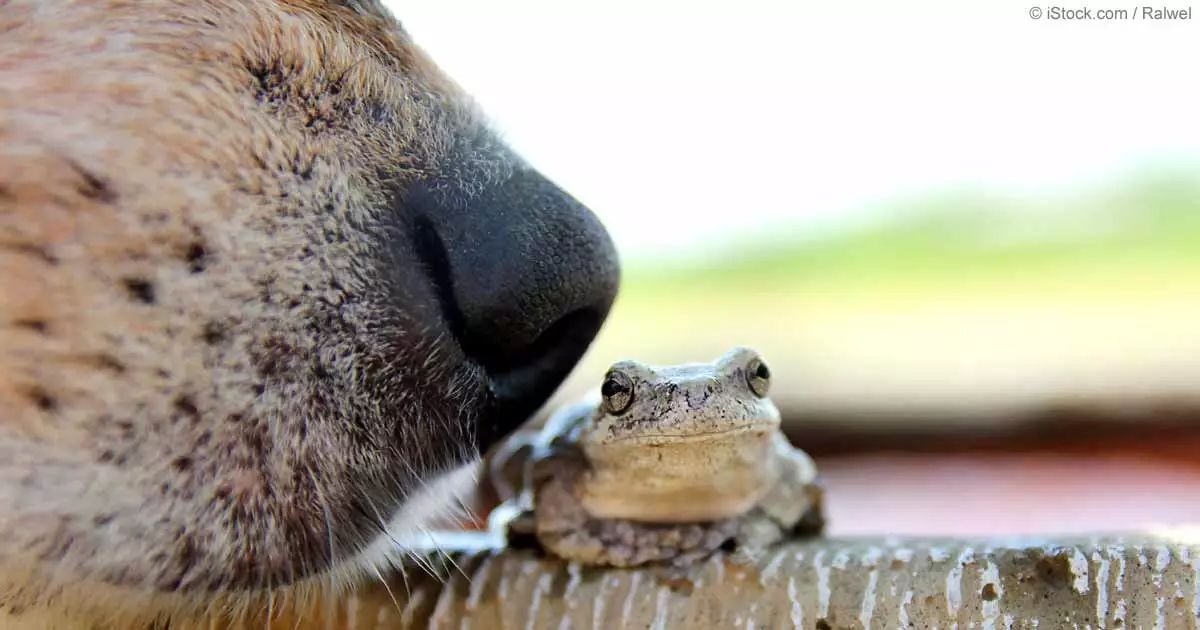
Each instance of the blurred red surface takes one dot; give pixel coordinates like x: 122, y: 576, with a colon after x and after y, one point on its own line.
x: 1007, y: 493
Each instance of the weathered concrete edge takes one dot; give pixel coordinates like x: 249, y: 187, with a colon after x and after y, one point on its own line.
x: 1103, y: 582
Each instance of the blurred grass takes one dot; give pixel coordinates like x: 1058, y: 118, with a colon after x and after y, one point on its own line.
x: 967, y: 301
x: 1108, y: 241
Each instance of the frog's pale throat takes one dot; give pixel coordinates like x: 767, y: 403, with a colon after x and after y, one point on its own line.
x: 682, y: 480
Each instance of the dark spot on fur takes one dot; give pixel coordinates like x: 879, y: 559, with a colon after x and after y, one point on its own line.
x: 214, y: 333
x: 140, y: 289
x: 109, y: 362
x: 106, y: 456
x: 271, y: 84
x: 101, y: 520
x: 186, y: 554
x: 989, y: 592
x: 319, y: 371
x: 234, y: 418
x: 32, y: 250
x: 302, y: 167
x: 42, y: 399
x: 36, y: 325
x: 259, y: 443
x: 185, y: 405
x: 93, y: 186
x: 203, y: 439
x: 182, y: 463
x: 196, y: 256
x: 823, y: 625
x: 54, y: 545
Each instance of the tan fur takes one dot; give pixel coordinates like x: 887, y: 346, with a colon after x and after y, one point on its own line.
x: 161, y: 262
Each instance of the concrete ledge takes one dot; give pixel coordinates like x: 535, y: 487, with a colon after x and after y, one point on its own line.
x: 1112, y: 582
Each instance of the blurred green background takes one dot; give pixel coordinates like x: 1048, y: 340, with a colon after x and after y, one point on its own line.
x: 953, y: 305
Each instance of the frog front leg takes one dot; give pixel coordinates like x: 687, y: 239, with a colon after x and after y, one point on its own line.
x: 565, y: 529
x: 506, y: 471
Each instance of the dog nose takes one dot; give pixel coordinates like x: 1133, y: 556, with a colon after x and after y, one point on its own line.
x: 528, y: 276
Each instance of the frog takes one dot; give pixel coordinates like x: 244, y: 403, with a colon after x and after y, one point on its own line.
x: 662, y: 465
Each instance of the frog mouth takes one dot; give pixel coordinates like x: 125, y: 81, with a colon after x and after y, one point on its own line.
x: 715, y: 435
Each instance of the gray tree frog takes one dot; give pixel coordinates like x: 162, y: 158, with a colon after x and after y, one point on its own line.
x: 663, y: 464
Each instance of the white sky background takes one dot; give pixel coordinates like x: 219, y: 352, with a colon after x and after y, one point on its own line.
x: 684, y: 124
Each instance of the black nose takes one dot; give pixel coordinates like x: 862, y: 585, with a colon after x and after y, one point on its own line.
x: 526, y: 275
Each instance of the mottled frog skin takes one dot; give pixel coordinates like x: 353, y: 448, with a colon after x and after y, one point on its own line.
x: 663, y: 464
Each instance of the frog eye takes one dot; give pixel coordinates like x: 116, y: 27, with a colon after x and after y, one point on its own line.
x: 758, y: 377
x: 616, y: 392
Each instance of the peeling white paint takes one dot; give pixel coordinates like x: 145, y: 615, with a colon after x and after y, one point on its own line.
x: 772, y: 567
x: 598, y: 607
x: 539, y: 591
x: 411, y: 606
x: 1119, y: 610
x: 635, y: 580
x: 1077, y: 566
x: 1102, y: 565
x: 902, y: 615
x: 822, y: 583
x: 868, y: 589
x: 1194, y: 562
x: 868, y: 601
x: 954, y: 582
x: 575, y: 576
x: 1162, y: 558
x: 478, y: 580
x: 718, y: 566
x: 661, y: 607
x: 750, y: 622
x: 797, y: 612
x: 441, y: 609
x: 1120, y: 553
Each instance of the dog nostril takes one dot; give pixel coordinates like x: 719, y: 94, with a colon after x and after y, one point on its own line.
x: 521, y: 388
x: 431, y: 251
x: 543, y: 364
